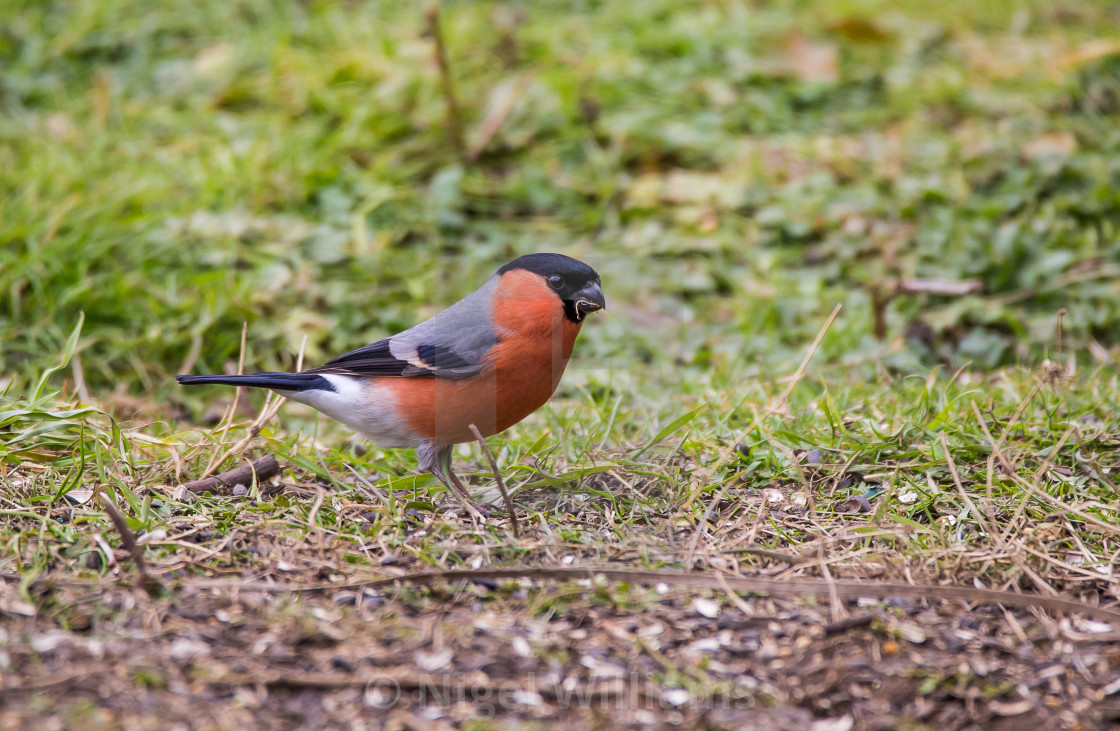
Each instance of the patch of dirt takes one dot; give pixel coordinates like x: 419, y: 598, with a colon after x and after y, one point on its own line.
x: 520, y: 653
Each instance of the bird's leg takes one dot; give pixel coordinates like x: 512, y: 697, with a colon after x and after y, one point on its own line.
x: 482, y: 508
x: 438, y: 462
x: 449, y: 473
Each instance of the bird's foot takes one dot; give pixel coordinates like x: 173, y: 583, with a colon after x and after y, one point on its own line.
x: 478, y: 510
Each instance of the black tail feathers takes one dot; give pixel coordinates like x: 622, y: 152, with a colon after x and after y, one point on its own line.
x: 274, y: 381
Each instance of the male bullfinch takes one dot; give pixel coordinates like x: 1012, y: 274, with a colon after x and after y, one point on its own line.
x: 490, y: 360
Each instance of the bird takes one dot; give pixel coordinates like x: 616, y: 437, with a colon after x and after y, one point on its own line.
x: 489, y: 360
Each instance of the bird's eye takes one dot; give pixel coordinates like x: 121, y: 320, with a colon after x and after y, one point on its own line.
x: 556, y: 281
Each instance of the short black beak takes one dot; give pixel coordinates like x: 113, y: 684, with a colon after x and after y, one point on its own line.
x: 589, y: 299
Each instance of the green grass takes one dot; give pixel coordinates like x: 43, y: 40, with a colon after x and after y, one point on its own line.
x: 176, y: 170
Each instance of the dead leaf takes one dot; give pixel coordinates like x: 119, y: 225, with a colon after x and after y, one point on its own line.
x: 185, y: 649
x: 912, y: 633
x: 502, y: 99
x: 49, y: 641
x: 832, y: 724
x: 706, y: 607
x: 857, y: 503
x: 1091, y: 625
x: 702, y: 645
x: 684, y: 187
x: 1051, y: 144
x: 12, y: 604
x: 675, y: 696
x: 59, y: 128
x: 860, y: 30
x: 159, y: 534
x: 709, y: 220
x: 79, y: 497
x: 527, y: 697
x: 432, y: 661
x: 211, y: 60
x: 1089, y: 52
x: 814, y: 62
x: 614, y: 629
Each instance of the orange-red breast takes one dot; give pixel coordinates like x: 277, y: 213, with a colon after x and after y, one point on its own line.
x: 490, y: 360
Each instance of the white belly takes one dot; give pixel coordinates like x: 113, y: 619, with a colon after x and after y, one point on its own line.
x: 364, y: 407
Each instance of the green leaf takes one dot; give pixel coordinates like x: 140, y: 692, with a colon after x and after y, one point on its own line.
x: 671, y: 427
x: 67, y: 353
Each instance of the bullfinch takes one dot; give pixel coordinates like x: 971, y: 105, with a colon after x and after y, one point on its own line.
x: 490, y: 360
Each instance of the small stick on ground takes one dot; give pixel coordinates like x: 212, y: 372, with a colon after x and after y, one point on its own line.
x: 843, y: 625
x: 498, y: 478
x: 135, y: 552
x: 262, y: 468
x: 845, y: 589
x: 371, y: 493
x: 454, y: 119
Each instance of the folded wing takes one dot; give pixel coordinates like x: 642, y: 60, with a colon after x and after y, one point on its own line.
x: 453, y: 344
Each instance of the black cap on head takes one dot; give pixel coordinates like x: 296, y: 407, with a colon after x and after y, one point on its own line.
x: 549, y: 264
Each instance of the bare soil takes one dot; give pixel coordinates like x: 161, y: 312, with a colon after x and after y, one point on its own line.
x: 518, y: 653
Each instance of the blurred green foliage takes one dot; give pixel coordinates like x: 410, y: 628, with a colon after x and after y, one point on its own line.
x: 174, y: 169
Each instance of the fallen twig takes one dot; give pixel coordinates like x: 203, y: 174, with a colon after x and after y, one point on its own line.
x: 501, y: 483
x: 394, y: 680
x: 942, y: 287
x: 371, y: 493
x: 135, y: 551
x: 502, y: 101
x: 54, y: 680
x: 262, y: 469
x: 454, y: 119
x: 391, y: 679
x: 843, y: 625
x: 782, y: 587
x: 882, y: 294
